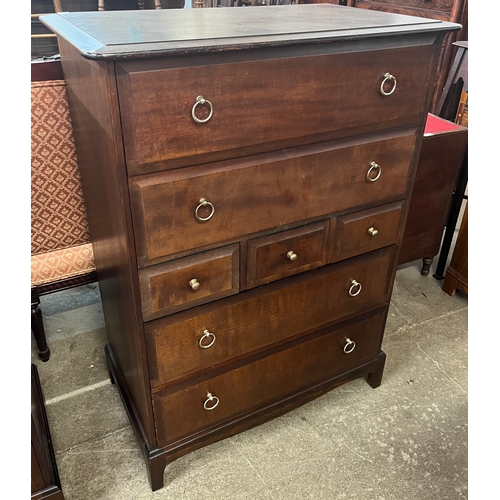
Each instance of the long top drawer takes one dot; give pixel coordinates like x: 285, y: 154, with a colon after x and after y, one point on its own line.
x: 181, y: 112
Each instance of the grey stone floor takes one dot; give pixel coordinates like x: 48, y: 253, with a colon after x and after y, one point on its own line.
x: 407, y: 439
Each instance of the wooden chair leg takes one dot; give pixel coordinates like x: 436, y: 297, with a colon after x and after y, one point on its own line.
x: 38, y: 329
x: 426, y: 265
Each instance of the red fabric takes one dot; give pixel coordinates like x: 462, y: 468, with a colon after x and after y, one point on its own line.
x: 437, y: 125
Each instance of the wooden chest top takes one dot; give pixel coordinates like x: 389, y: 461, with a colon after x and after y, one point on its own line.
x: 150, y: 33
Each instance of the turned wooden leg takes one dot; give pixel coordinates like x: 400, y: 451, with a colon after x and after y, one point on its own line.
x: 39, y: 331
x: 156, y: 469
x: 375, y: 378
x: 426, y: 265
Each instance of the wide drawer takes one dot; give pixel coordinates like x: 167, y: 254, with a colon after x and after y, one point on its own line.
x: 289, y: 101
x: 277, y: 256
x: 193, y: 341
x: 188, y: 282
x: 188, y: 209
x: 367, y: 230
x: 266, y: 380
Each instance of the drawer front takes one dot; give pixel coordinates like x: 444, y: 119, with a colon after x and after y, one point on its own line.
x: 367, y: 230
x: 188, y: 282
x: 193, y: 341
x: 266, y: 380
x: 261, y: 193
x: 287, y: 253
x: 253, y: 103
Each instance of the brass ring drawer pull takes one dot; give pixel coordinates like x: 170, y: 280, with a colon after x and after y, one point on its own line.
x: 292, y: 256
x: 201, y: 100
x: 207, y: 335
x: 372, y: 231
x: 194, y: 284
x: 349, y: 346
x: 355, y: 288
x: 388, y: 78
x: 204, y: 203
x: 211, y: 400
x: 374, y: 172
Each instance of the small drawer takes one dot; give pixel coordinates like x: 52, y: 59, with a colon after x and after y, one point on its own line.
x: 188, y: 282
x: 267, y: 380
x: 191, y: 342
x: 367, y: 230
x: 277, y: 256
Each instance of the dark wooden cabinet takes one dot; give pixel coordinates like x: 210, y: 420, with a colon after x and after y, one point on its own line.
x: 441, y: 157
x: 45, y: 482
x: 246, y: 175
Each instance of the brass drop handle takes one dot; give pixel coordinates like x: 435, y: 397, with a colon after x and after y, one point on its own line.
x: 204, y: 203
x: 211, y: 402
x: 372, y: 231
x: 349, y: 346
x: 194, y: 284
x: 206, y: 335
x: 292, y: 256
x: 374, y: 172
x: 388, y: 78
x: 200, y: 100
x: 355, y: 288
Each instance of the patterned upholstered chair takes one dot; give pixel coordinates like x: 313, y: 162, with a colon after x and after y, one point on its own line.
x: 61, y: 251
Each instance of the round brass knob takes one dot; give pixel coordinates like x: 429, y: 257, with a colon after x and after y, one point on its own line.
x: 292, y: 256
x: 349, y: 346
x: 194, y: 284
x: 372, y: 231
x: 211, y: 402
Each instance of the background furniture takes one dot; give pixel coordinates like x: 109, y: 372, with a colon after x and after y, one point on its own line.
x: 61, y: 251
x: 455, y: 108
x: 441, y: 157
x: 456, y: 277
x: 245, y: 263
x: 45, y: 482
x: 456, y: 83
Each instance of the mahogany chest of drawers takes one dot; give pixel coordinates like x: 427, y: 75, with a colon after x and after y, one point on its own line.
x: 246, y: 174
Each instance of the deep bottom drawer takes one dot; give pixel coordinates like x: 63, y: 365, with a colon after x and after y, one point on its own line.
x: 266, y: 380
